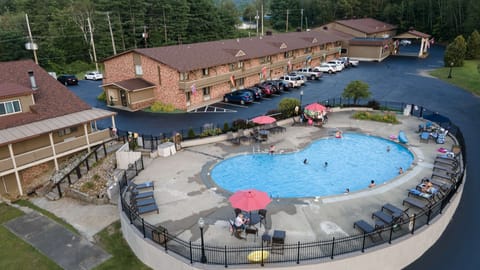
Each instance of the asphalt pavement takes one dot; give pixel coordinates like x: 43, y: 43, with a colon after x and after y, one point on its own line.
x: 400, y: 79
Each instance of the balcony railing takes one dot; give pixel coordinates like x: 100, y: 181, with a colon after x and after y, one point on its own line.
x: 46, y: 153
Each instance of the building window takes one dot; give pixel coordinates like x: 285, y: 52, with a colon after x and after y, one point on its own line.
x: 232, y: 67
x: 138, y: 65
x: 206, y: 93
x: 66, y: 131
x: 307, y: 50
x: 183, y: 76
x: 188, y: 96
x: 266, y: 59
x: 205, y: 71
x: 9, y: 107
x: 288, y: 54
x: 239, y: 82
x: 322, y: 47
x: 240, y: 64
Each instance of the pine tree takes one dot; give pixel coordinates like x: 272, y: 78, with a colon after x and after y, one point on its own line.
x: 473, y: 46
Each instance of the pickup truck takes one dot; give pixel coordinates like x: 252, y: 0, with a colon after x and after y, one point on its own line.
x: 309, y: 73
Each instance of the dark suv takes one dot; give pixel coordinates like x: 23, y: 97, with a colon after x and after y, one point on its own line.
x: 68, y: 79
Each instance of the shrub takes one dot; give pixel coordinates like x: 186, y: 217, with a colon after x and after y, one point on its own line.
x: 225, y: 127
x: 102, y: 97
x: 88, y: 185
x: 191, y: 133
x: 211, y: 132
x: 387, y: 117
x: 239, y: 124
x: 287, y: 106
x: 374, y: 104
x: 161, y: 107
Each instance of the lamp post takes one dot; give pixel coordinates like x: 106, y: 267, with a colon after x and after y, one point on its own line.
x: 301, y: 96
x: 201, y: 224
x: 450, y: 72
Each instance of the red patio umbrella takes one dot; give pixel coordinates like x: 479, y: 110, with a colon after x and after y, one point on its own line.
x: 315, y: 110
x: 250, y: 199
x: 263, y: 120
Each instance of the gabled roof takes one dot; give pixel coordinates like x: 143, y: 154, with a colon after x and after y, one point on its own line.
x: 52, y: 99
x: 134, y: 84
x: 195, y: 56
x: 367, y: 25
x: 413, y: 34
x: 8, y: 89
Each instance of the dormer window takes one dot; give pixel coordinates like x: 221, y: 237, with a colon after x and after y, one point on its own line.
x: 10, y: 107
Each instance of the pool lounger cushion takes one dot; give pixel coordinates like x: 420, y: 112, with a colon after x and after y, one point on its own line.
x: 418, y: 193
x: 147, y: 209
x: 415, y: 202
x: 386, y: 218
x: 145, y: 202
x: 143, y: 195
x: 364, y: 226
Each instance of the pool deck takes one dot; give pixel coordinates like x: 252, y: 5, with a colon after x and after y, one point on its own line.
x: 184, y: 191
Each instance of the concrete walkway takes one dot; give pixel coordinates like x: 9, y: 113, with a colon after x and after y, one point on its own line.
x: 68, y: 250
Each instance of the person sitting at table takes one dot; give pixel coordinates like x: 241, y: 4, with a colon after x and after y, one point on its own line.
x: 241, y: 221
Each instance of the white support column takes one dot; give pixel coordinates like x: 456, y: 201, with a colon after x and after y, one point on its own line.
x: 85, y: 129
x: 52, y: 144
x: 420, y: 53
x: 113, y: 121
x: 17, y: 176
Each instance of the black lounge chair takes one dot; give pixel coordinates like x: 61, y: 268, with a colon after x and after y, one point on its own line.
x: 366, y: 228
x: 395, y: 211
x: 444, y: 186
x: 147, y: 209
x: 384, y: 217
x: 448, y: 169
x: 144, y: 202
x: 143, y: 195
x: 444, y: 176
x: 422, y: 204
x: 144, y: 185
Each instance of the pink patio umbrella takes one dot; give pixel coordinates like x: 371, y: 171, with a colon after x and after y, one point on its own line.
x: 315, y: 110
x: 249, y: 200
x: 263, y: 120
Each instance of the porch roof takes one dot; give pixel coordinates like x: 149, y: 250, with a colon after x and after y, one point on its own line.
x: 412, y: 34
x: 20, y: 133
x: 131, y: 85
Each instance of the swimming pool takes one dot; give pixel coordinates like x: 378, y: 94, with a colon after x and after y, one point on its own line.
x: 353, y: 161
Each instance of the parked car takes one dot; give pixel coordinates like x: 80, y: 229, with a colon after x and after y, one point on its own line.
x: 256, y: 92
x: 67, y: 79
x: 277, y: 85
x: 291, y: 80
x: 267, y: 90
x: 405, y: 42
x: 310, y: 73
x: 326, y: 67
x: 337, y: 63
x: 241, y: 96
x: 299, y: 77
x: 93, y: 75
x: 349, y: 61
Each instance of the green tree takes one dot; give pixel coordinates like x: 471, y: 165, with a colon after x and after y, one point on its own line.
x: 356, y: 89
x: 455, y: 52
x: 473, y: 45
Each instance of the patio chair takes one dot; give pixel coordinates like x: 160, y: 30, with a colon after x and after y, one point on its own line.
x: 424, y: 137
x: 144, y: 202
x: 242, y: 136
x: 136, y: 187
x: 263, y: 217
x: 444, y: 176
x: 366, y: 228
x: 394, y: 211
x: 147, y: 209
x: 143, y: 195
x: 236, y: 231
x: 421, y: 204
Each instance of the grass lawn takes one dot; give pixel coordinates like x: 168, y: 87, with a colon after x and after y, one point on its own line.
x: 112, y: 241
x: 15, y: 253
x: 466, y: 77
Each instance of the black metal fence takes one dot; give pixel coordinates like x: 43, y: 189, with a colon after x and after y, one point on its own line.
x: 300, y: 252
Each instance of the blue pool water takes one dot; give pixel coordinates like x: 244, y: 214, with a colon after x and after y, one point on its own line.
x: 353, y: 161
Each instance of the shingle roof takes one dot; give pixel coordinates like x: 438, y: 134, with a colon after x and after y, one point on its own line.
x: 52, y: 99
x: 369, y: 41
x: 189, y: 57
x: 132, y: 84
x: 367, y: 25
x: 8, y: 90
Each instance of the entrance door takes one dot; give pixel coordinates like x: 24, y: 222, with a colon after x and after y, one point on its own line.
x: 123, y: 97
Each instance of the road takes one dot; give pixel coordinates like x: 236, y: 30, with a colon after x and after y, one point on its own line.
x: 401, y: 79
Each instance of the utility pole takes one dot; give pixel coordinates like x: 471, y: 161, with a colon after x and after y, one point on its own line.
x: 164, y: 25
x: 145, y: 35
x: 286, y: 23
x: 262, y: 18
x: 256, y: 18
x: 111, y: 34
x: 34, y: 49
x: 306, y: 22
x: 301, y: 20
x: 93, y: 43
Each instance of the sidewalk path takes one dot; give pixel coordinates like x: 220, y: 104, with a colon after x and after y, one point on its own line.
x: 68, y: 250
